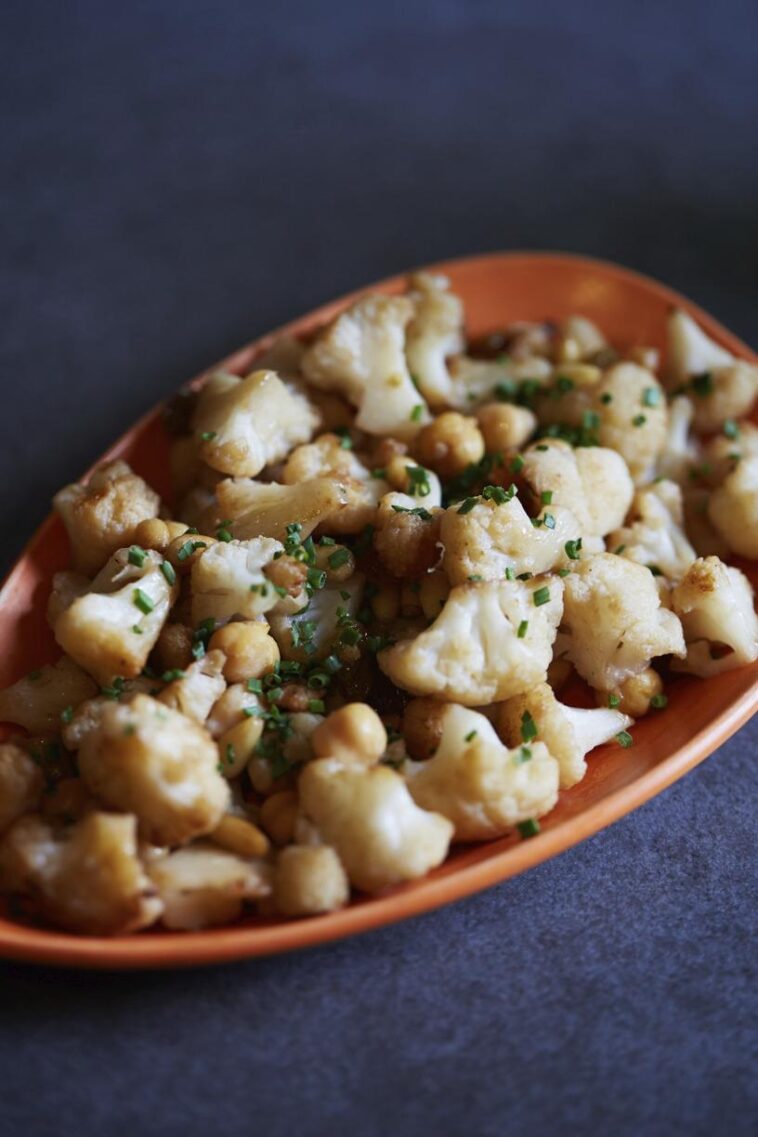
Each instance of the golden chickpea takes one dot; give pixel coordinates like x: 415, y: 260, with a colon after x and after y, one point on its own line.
x: 422, y: 727
x: 249, y: 649
x: 635, y: 693
x: 354, y: 733
x: 337, y: 561
x: 505, y: 427
x: 450, y: 443
x: 240, y: 836
x: 183, y: 551
x: 288, y: 573
x: 435, y: 589
x: 278, y: 816
x: 173, y: 651
x: 309, y: 879
x: 157, y: 534
x: 385, y: 450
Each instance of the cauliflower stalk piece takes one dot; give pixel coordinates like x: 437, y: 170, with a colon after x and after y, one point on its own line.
x: 615, y: 621
x: 246, y: 424
x: 361, y: 355
x: 592, y: 482
x: 654, y: 534
x: 309, y: 879
x: 112, y: 629
x: 148, y: 759
x: 681, y: 451
x: 21, y: 784
x: 37, y: 701
x: 733, y: 508
x: 101, y: 516
x: 367, y: 814
x: 490, y: 641
x: 203, y: 886
x: 569, y: 733
x: 87, y: 878
x: 498, y: 534
x: 484, y: 788
x: 265, y: 509
x: 228, y: 580
x: 714, y: 601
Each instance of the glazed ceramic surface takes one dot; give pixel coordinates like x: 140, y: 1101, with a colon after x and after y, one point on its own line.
x: 700, y: 715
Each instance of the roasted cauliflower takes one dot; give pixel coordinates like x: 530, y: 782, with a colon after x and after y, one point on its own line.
x: 714, y: 601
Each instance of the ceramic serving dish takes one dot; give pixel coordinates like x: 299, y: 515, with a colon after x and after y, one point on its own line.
x: 701, y: 714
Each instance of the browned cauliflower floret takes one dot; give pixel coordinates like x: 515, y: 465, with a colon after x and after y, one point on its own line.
x: 153, y: 761
x: 309, y: 879
x: 490, y: 641
x: 361, y: 355
x: 434, y: 334
x: 367, y: 814
x: 615, y: 620
x: 406, y: 536
x: 328, y: 457
x: 497, y: 535
x: 228, y: 580
x: 265, y: 509
x: 725, y: 394
x: 311, y: 634
x: 202, y: 886
x: 37, y: 701
x: 477, y: 783
x: 654, y: 533
x: 633, y: 417
x: 714, y: 601
x: 21, y: 784
x: 246, y: 424
x: 591, y: 481
x: 569, y: 733
x: 87, y: 878
x: 193, y: 692
x: 681, y: 451
x: 112, y: 629
x: 739, y: 442
x: 733, y: 508
x: 102, y: 515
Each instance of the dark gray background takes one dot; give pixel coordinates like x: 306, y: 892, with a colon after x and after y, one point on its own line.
x: 179, y: 177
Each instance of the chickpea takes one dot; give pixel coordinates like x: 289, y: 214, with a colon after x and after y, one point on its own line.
x: 337, y: 561
x: 309, y: 879
x: 505, y: 427
x: 236, y: 747
x: 422, y: 727
x: 450, y: 443
x: 635, y: 693
x: 183, y: 551
x: 354, y: 733
x: 249, y: 649
x: 154, y: 533
x: 173, y: 651
x: 386, y: 602
x: 278, y: 815
x: 240, y: 836
x: 435, y: 588
x: 288, y: 573
x: 385, y: 450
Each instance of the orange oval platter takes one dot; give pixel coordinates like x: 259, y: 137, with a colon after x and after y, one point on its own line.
x: 496, y: 289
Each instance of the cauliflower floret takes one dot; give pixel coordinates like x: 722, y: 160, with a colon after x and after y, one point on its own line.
x: 633, y: 417
x: 265, y: 509
x: 195, y: 690
x: 67, y: 587
x: 477, y: 783
x: 724, y: 451
x: 491, y: 538
x: 236, y: 723
x: 202, y: 886
x: 112, y: 629
x: 361, y: 355
x: 592, y: 482
x: 37, y: 701
x: 21, y: 784
x: 474, y: 381
x: 654, y: 534
x: 733, y: 509
x: 87, y: 879
x: 406, y: 536
x: 246, y: 424
x: 367, y: 814
x: 689, y: 350
x: 101, y: 516
x: 726, y: 393
x: 473, y: 652
x: 228, y: 580
x: 309, y: 879
x: 616, y: 623
x: 680, y: 451
x: 569, y: 733
x: 310, y: 635
x: 149, y: 759
x: 434, y: 334
x: 327, y: 457
x: 714, y: 601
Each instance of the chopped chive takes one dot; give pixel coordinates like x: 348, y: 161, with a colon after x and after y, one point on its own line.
x: 338, y: 558
x: 316, y: 706
x: 467, y: 505
x: 522, y: 629
x: 546, y: 497
x: 529, y: 828
x: 168, y: 571
x: 471, y: 735
x: 541, y: 596
x: 659, y: 701
x: 529, y: 728
x: 315, y: 578
x: 417, y: 412
x: 253, y: 712
x: 188, y: 548
x: 510, y: 574
x: 548, y: 521
x: 731, y: 429
x: 523, y: 754
x: 346, y: 442
x: 224, y: 534
x: 379, y: 473
x: 208, y: 435
x: 170, y: 676
x: 639, y: 420
x: 624, y: 739
x: 142, y: 601
x: 67, y: 714
x: 255, y: 686
x: 524, y: 576
x: 606, y: 398
x: 573, y: 549
x: 651, y: 397
x: 517, y: 464
x: 619, y: 550
x: 564, y: 572
x: 137, y: 556
x: 702, y: 384
x: 327, y: 541
x: 418, y: 478
x: 614, y: 700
